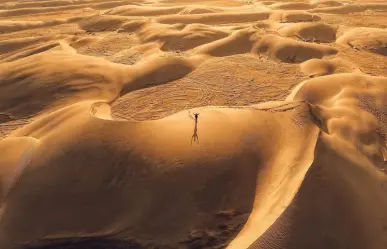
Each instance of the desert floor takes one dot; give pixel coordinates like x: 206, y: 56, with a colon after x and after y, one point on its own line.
x: 99, y: 147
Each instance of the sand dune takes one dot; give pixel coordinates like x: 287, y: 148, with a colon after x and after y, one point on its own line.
x: 293, y: 16
x: 288, y: 50
x: 42, y: 10
x: 45, y: 87
x: 133, y: 10
x: 315, y: 32
x: 54, y: 3
x: 178, y: 143
x: 292, y: 6
x: 100, y: 23
x: 373, y: 40
x: 12, y: 26
x: 215, y: 18
x: 320, y: 67
x: 351, y: 8
x: 13, y: 45
x: 237, y: 43
x: 100, y: 147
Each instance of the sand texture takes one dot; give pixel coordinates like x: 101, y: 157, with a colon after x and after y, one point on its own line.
x: 100, y: 149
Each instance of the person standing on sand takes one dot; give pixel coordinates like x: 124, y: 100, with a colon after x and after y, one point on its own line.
x: 195, y: 137
x: 196, y: 117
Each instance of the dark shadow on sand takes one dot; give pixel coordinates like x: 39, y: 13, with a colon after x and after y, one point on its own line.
x: 195, y: 137
x: 86, y: 243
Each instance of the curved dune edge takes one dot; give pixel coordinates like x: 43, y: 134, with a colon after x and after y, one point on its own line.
x: 337, y: 160
x: 250, y: 231
x: 17, y: 153
x: 277, y: 171
x: 287, y: 183
x: 333, y: 176
x: 320, y: 67
x: 285, y: 192
x: 280, y: 181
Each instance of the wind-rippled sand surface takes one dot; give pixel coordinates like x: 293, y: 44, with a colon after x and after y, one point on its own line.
x: 99, y: 147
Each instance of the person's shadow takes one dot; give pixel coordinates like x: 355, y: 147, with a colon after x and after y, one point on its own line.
x: 195, y: 137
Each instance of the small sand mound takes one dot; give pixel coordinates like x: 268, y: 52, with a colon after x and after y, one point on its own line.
x: 351, y: 8
x: 215, y: 18
x: 369, y: 39
x: 329, y: 2
x: 237, y: 43
x: 267, y: 2
x: 134, y: 10
x: 345, y: 9
x: 293, y: 16
x: 132, y: 26
x: 80, y: 42
x: 310, y: 32
x: 174, y: 37
x: 288, y: 50
x: 193, y: 35
x: 157, y: 70
x: 293, y: 6
x: 100, y: 23
x: 376, y: 6
x: 198, y: 10
x: 319, y: 67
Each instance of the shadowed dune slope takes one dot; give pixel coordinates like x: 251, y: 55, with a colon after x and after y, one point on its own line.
x: 288, y: 50
x: 370, y: 39
x: 357, y: 147
x: 51, y: 79
x: 160, y: 168
x: 310, y: 32
x: 320, y: 67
